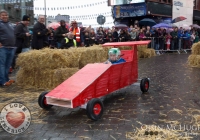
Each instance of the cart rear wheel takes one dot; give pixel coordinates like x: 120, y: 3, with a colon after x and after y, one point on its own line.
x: 42, y: 101
x: 95, y: 109
x: 144, y: 85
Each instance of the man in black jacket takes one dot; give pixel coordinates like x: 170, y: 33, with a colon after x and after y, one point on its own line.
x: 7, y: 48
x: 61, y: 33
x: 40, y: 34
x: 22, y: 35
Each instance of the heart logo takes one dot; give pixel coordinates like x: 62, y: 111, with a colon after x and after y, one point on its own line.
x: 15, y: 119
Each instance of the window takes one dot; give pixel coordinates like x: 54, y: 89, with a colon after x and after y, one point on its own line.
x: 162, y: 1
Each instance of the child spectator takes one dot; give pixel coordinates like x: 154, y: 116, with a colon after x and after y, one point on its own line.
x: 86, y: 39
x: 51, y: 41
x: 168, y: 40
x: 92, y: 37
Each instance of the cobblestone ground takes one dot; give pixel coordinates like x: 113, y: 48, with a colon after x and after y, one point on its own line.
x: 174, y: 92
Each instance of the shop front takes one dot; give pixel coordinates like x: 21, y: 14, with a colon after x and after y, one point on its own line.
x: 128, y: 13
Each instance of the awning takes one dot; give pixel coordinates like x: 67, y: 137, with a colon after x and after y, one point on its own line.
x: 196, y: 17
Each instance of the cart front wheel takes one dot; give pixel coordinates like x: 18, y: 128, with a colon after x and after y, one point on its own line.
x: 42, y: 101
x: 95, y: 109
x: 144, y: 85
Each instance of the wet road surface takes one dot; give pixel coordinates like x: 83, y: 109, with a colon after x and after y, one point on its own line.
x: 173, y: 98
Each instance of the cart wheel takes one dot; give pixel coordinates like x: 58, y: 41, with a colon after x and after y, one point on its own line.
x: 43, y: 102
x: 95, y: 109
x: 144, y: 85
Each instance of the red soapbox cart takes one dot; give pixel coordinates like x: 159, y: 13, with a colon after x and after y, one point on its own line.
x: 85, y: 88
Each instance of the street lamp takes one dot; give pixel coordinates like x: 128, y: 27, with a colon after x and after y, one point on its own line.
x: 45, y: 12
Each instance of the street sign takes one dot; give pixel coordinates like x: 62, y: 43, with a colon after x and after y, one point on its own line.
x: 101, y: 19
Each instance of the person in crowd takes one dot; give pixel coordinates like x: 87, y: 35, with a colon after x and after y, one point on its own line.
x: 130, y: 28
x: 168, y: 40
x: 186, y: 39
x: 92, y: 37
x: 61, y: 33
x: 109, y: 36
x: 192, y: 38
x: 115, y: 35
x: 22, y: 37
x: 180, y: 37
x: 51, y: 40
x: 157, y: 38
x: 162, y: 38
x: 68, y: 41
x: 7, y: 48
x: 142, y: 35
x: 122, y: 36
x: 100, y: 37
x: 105, y: 34
x: 174, y: 34
x: 87, y: 39
x: 136, y: 24
x: 196, y: 38
x: 133, y: 34
x: 148, y: 35
x: 114, y: 56
x: 40, y: 34
x: 77, y: 33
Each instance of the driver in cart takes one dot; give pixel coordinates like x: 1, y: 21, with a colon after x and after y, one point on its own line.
x: 114, y: 56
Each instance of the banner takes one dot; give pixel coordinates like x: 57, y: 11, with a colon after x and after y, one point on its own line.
x: 129, y: 10
x: 121, y: 2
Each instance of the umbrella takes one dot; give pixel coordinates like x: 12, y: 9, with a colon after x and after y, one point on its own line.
x: 121, y: 26
x: 185, y: 26
x: 147, y: 22
x: 55, y: 25
x: 162, y: 25
x: 195, y: 26
x: 181, y: 18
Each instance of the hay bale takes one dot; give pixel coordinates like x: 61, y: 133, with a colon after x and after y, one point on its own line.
x: 146, y: 53
x: 194, y: 60
x: 93, y: 54
x: 153, y: 52
x: 141, y: 47
x: 57, y: 58
x: 47, y: 79
x: 49, y: 58
x: 196, y: 48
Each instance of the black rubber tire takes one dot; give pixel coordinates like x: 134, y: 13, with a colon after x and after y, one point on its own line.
x: 41, y: 99
x: 90, y: 107
x: 143, y: 83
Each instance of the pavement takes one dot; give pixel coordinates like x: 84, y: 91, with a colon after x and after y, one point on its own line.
x: 173, y: 98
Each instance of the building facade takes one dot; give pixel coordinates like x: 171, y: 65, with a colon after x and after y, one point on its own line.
x: 158, y: 10
x: 18, y: 9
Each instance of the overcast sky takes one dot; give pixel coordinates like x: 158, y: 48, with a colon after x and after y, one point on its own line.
x: 96, y: 9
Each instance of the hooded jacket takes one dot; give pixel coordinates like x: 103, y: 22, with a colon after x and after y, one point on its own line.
x: 7, y: 36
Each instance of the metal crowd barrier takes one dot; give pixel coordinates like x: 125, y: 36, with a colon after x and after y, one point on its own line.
x: 179, y: 50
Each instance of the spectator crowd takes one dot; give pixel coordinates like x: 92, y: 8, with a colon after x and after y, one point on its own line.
x: 14, y: 40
